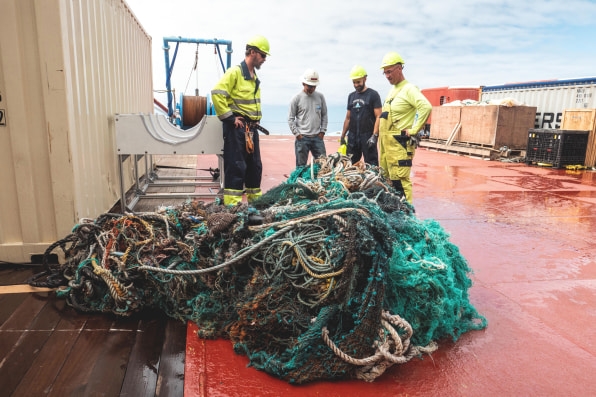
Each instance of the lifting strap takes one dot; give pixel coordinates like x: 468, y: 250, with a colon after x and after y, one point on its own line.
x: 250, y: 147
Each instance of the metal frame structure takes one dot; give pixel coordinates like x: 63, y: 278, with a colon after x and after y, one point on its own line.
x: 148, y: 134
x: 140, y: 135
x: 170, y: 65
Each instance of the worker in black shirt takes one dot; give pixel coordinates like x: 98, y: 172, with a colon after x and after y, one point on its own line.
x: 364, y: 108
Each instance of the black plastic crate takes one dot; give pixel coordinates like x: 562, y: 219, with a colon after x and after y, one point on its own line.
x: 557, y: 148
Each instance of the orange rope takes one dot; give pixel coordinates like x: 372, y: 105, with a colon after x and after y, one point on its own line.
x: 250, y: 147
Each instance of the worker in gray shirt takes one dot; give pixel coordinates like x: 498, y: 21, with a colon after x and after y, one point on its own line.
x: 308, y: 119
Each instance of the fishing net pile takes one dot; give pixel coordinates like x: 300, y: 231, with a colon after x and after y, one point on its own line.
x: 329, y: 275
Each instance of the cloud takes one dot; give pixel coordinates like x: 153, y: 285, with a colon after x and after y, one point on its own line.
x: 444, y: 43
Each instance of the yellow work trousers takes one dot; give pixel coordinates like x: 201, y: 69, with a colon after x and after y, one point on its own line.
x: 396, y: 160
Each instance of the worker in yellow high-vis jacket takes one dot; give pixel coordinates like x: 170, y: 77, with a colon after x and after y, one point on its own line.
x: 237, y: 102
x: 403, y: 114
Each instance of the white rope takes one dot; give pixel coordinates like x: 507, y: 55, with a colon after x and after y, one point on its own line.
x: 395, y: 349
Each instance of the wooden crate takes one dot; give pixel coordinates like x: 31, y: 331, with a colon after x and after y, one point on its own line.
x: 491, y: 126
x: 445, y: 119
x: 583, y: 120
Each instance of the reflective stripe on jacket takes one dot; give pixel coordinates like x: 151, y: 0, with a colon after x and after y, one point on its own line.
x: 237, y: 93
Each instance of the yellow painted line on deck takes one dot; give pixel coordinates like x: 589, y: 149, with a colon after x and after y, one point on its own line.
x: 22, y: 288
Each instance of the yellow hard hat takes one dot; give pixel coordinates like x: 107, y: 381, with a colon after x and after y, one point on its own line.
x: 391, y: 58
x: 357, y: 72
x: 259, y: 42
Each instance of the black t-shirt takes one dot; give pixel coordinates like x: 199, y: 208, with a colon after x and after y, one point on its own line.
x: 362, y: 110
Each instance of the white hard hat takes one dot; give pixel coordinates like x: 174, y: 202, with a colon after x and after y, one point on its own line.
x: 310, y: 77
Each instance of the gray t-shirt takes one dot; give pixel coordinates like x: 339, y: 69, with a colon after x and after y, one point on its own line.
x: 308, y: 114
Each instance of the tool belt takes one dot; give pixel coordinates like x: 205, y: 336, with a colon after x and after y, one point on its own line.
x: 258, y: 127
x: 250, y: 127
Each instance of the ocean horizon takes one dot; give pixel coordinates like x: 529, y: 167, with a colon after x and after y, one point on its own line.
x: 275, y: 119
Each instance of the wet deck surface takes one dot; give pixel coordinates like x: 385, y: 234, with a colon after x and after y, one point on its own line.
x: 527, y: 232
x: 48, y: 349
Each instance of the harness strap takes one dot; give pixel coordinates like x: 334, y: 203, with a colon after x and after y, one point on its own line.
x: 250, y: 146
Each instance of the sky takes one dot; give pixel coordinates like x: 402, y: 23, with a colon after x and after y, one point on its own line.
x: 443, y: 42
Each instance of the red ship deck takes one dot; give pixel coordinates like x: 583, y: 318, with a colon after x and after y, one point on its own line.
x: 527, y: 233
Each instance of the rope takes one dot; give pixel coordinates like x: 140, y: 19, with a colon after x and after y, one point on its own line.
x: 53, y: 277
x: 303, y: 258
x: 345, y: 357
x: 194, y: 68
x: 307, y: 218
x: 117, y: 290
x: 237, y: 258
x: 383, y: 358
x: 326, y: 254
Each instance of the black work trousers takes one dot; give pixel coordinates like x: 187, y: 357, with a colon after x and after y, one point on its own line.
x: 358, y: 147
x: 241, y: 168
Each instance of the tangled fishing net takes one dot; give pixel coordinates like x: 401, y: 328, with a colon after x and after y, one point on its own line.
x: 329, y: 275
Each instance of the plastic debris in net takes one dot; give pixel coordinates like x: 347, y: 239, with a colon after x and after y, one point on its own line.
x: 328, y: 275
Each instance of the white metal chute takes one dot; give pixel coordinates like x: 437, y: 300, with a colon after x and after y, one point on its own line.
x: 139, y: 135
x: 154, y: 134
x: 151, y: 130
x: 163, y: 131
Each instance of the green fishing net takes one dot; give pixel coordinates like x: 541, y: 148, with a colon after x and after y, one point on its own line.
x: 328, y: 275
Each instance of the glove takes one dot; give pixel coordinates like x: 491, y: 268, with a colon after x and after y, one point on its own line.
x: 415, y: 140
x: 372, y: 141
x: 342, y: 141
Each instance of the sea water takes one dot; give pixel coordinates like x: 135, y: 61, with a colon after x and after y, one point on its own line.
x: 275, y: 119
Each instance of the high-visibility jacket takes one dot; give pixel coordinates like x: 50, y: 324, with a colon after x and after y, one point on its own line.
x: 408, y: 109
x: 237, y: 93
x: 405, y: 108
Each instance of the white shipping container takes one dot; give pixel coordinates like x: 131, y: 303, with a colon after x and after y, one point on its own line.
x: 66, y: 68
x: 551, y: 97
